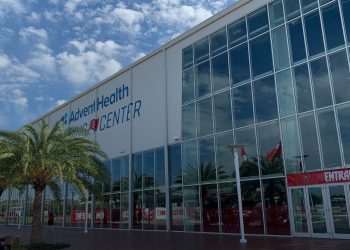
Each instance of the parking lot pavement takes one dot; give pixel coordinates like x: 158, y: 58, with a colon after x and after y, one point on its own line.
x: 146, y: 240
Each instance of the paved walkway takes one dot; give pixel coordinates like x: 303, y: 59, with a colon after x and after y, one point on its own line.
x: 141, y: 240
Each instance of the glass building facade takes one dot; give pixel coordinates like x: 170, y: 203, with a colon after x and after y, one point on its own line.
x: 276, y: 80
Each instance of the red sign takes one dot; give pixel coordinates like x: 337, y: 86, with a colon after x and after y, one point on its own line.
x: 319, y: 177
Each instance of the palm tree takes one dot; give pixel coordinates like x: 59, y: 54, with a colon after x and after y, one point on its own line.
x: 52, y: 155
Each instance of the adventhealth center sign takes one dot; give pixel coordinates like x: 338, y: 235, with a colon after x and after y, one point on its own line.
x: 106, y: 120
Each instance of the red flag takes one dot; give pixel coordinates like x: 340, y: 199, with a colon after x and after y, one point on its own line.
x: 243, y: 155
x: 274, y: 152
x: 94, y: 124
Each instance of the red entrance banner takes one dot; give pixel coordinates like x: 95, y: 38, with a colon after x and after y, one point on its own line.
x: 319, y: 177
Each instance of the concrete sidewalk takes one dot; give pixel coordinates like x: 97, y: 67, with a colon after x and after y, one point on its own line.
x: 145, y: 240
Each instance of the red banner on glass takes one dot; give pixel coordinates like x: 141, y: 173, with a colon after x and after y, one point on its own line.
x: 319, y: 177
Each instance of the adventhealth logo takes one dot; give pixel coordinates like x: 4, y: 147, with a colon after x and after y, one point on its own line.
x: 107, y: 120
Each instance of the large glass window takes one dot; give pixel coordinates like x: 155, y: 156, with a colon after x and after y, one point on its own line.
x: 332, y: 25
x: 280, y: 49
x: 265, y: 99
x: 187, y: 57
x: 320, y: 81
x: 160, y: 167
x: 125, y: 174
x: 303, y: 89
x: 296, y: 40
x: 201, y: 50
x: 202, y: 79
x: 291, y: 146
x: 229, y: 208
x: 220, y: 71
x: 210, y: 212
x: 276, y: 13
x: 148, y: 218
x: 307, y: 5
x: 218, y: 42
x: 311, y: 153
x: 204, y: 117
x: 223, y: 112
x: 252, y: 209
x: 137, y: 168
x: 192, y: 209
x: 224, y: 156
x: 116, y: 167
x: 329, y: 139
x: 148, y: 169
x: 137, y: 210
x: 346, y: 15
x: 261, y: 56
x: 177, y: 211
x: 188, y: 121
x: 187, y: 85
x: 314, y: 33
x: 292, y: 9
x: 285, y: 93
x: 189, y: 162
x: 270, y: 149
x: 160, y: 212
x: 175, y: 164
x: 243, y: 105
x: 207, y: 159
x: 249, y: 167
x: 239, y: 64
x: 237, y: 32
x: 276, y: 207
x: 340, y: 76
x: 344, y: 125
x: 258, y: 22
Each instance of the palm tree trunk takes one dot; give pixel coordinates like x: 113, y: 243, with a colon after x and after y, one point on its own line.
x: 36, y: 223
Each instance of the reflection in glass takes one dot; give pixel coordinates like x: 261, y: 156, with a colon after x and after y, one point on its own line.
x: 148, y: 169
x: 276, y: 207
x: 261, y: 55
x: 309, y: 141
x: 299, y: 210
x: 202, y: 79
x: 204, y: 117
x: 220, y: 72
x: 207, y: 160
x: 115, y: 215
x: 239, y: 64
x: 320, y: 80
x: 125, y: 174
x: 148, y: 216
x: 223, y: 112
x: 344, y: 126
x: 270, y: 149
x: 314, y: 33
x: 249, y: 167
x: 276, y: 13
x: 187, y: 85
x: 160, y: 167
x: 229, y: 208
x: 218, y: 42
x: 175, y: 167
x: 106, y: 186
x: 124, y: 210
x: 292, y: 9
x: 280, y: 49
x: 188, y: 122
x: 210, y: 215
x: 340, y: 76
x: 339, y: 209
x: 237, y: 32
x: 189, y: 162
x: 329, y: 139
x: 265, y: 99
x: 296, y: 39
x: 332, y: 25
x: 201, y: 50
x: 303, y: 89
x: 317, y: 210
x: 187, y: 57
x: 116, y: 167
x: 177, y: 212
x: 137, y: 209
x: 285, y: 93
x: 160, y: 213
x: 192, y: 209
x: 224, y: 156
x: 346, y: 15
x: 291, y: 145
x: 243, y: 106
x: 252, y: 209
x: 258, y: 22
x: 137, y: 168
x: 307, y: 5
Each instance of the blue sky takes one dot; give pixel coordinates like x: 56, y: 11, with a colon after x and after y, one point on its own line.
x: 51, y: 50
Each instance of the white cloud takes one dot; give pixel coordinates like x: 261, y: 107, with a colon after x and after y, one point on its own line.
x: 39, y: 98
x: 33, y: 33
x: 60, y: 102
x: 11, y: 6
x: 34, y: 17
x: 4, y: 61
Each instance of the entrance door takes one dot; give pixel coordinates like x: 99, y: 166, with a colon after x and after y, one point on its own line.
x: 298, y: 212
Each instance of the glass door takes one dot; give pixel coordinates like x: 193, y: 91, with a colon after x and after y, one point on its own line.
x: 299, y: 218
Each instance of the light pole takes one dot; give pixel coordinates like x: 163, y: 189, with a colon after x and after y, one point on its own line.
x: 86, y: 212
x: 234, y: 148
